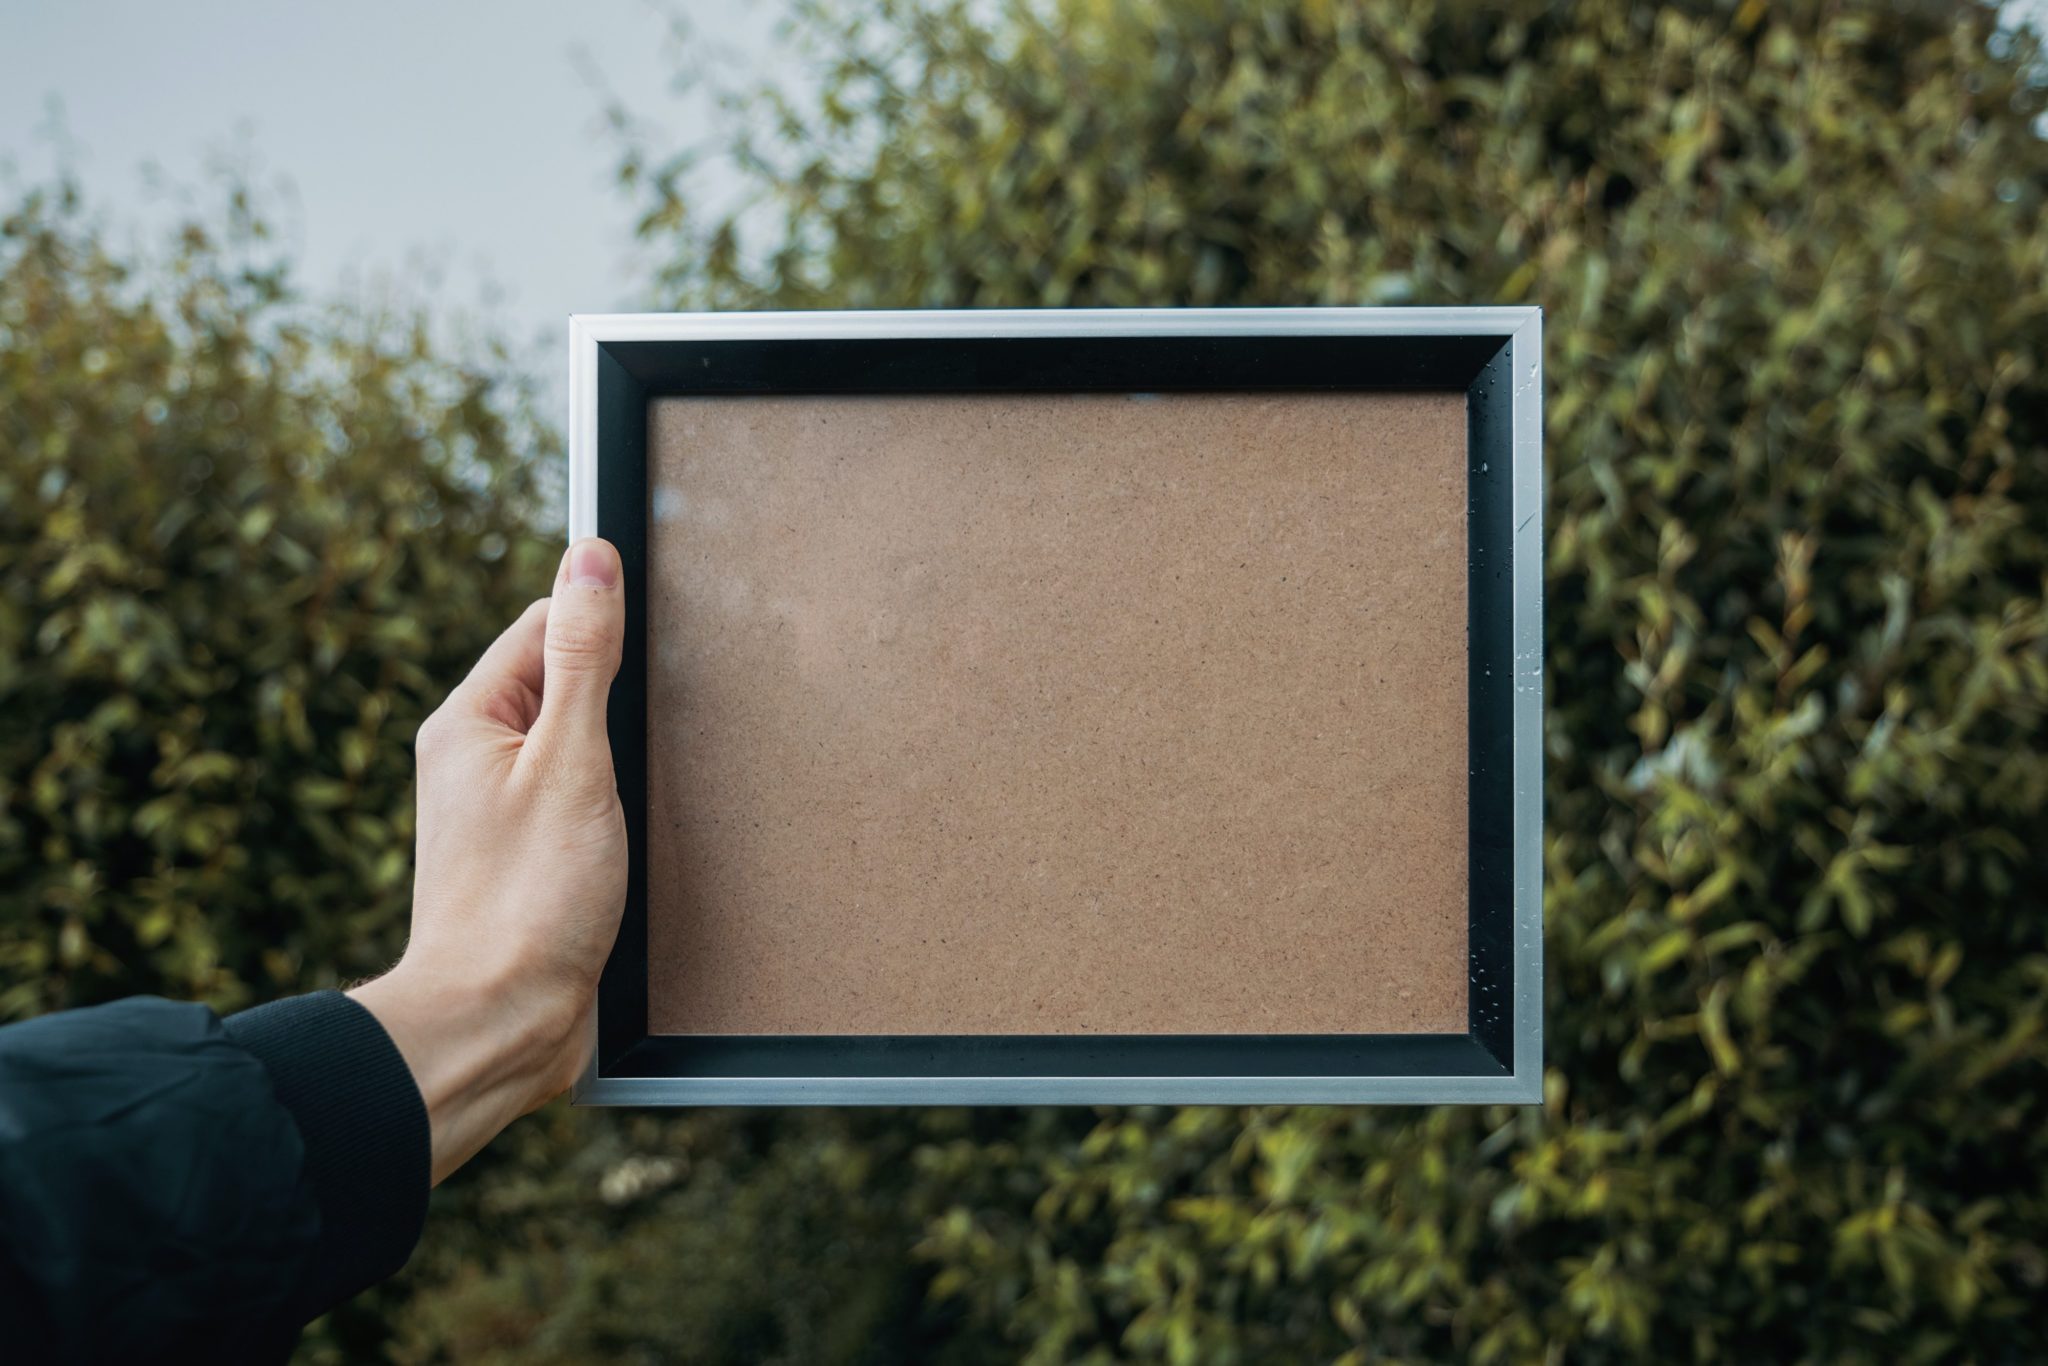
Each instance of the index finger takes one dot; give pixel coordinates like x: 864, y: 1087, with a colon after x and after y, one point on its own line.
x: 505, y: 684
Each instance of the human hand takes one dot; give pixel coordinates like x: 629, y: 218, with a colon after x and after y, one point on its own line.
x: 520, y: 876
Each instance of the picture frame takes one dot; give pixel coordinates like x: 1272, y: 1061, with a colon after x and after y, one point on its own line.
x: 620, y: 363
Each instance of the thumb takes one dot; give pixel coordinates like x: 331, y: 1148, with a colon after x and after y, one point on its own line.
x: 586, y: 629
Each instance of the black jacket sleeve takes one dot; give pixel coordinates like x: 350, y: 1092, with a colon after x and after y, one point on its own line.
x: 174, y: 1185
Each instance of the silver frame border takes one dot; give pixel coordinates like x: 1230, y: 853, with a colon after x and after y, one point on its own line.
x: 1522, y: 330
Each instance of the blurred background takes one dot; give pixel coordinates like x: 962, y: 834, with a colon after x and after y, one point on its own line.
x: 282, y: 293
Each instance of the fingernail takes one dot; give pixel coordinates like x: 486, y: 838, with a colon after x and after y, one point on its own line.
x: 593, y: 564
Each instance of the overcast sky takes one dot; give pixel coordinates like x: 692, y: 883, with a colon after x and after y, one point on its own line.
x: 463, y: 134
x: 466, y: 136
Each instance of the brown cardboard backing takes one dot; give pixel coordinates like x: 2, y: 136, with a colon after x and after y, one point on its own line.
x: 1051, y: 714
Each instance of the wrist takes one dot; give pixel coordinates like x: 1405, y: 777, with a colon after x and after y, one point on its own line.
x: 479, y: 1050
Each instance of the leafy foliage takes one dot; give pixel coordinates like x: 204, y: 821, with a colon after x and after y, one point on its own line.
x: 722, y: 1236
x: 243, y: 549
x: 1795, y: 271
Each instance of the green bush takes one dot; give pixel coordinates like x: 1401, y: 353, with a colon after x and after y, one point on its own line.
x: 1795, y: 270
x: 1796, y: 276
x: 244, y: 547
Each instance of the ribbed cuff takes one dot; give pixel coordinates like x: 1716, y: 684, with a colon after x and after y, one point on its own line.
x: 359, y: 1113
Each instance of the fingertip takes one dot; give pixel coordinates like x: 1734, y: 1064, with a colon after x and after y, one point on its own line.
x: 592, y: 562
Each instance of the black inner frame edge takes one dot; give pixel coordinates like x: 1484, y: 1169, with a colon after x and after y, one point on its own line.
x: 630, y: 374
